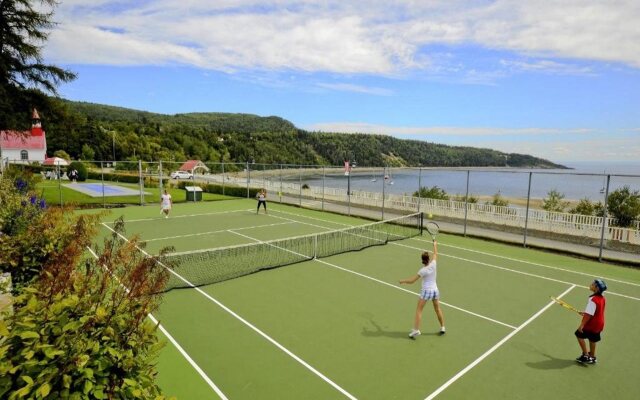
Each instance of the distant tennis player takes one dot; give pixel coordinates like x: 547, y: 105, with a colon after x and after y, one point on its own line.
x: 429, y: 290
x: 165, y: 204
x: 592, y: 322
x: 262, y: 200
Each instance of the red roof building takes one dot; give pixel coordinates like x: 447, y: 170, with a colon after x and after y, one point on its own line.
x: 192, y: 166
x: 26, y: 146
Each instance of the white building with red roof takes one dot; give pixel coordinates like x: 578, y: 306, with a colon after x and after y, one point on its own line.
x: 24, y: 147
x: 192, y: 166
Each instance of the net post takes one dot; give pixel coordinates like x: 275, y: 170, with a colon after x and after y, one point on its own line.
x: 315, y: 247
x: 421, y: 223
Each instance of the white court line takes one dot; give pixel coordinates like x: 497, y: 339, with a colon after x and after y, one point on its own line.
x: 515, y: 271
x: 494, y: 348
x: 184, y: 216
x: 174, y: 342
x: 247, y: 323
x: 382, y: 282
x: 212, y: 232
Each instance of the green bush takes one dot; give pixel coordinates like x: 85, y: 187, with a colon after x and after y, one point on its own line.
x: 75, y: 331
x: 624, y: 205
x: 554, y: 202
x: 81, y: 168
x: 433, y: 192
x: 233, y: 191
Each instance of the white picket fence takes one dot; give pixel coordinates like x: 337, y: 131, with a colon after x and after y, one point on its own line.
x: 541, y: 220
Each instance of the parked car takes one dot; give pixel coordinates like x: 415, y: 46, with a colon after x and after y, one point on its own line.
x: 181, y: 175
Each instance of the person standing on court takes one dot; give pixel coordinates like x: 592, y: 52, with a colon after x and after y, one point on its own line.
x: 429, y: 291
x: 592, y: 322
x: 262, y: 200
x: 165, y: 203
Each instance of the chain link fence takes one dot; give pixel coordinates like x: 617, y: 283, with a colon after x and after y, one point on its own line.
x: 558, y: 210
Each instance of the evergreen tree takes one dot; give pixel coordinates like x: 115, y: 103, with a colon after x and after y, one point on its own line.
x: 24, y: 77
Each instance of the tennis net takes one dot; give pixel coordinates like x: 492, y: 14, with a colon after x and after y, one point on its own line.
x: 203, y: 267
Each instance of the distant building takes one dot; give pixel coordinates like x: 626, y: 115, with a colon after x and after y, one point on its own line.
x: 54, y: 161
x: 193, y: 166
x: 24, y: 147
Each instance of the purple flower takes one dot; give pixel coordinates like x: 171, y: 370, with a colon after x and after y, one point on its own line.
x: 21, y: 185
x: 43, y: 204
x: 32, y: 200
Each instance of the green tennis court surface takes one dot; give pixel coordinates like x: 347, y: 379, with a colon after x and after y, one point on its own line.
x: 337, y: 327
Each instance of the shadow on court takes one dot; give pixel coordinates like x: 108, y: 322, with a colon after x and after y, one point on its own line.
x: 553, y: 363
x: 379, y: 332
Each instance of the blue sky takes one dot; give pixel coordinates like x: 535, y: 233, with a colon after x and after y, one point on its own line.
x: 556, y: 79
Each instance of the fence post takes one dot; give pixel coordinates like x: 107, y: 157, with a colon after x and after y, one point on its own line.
x: 384, y: 176
x: 604, y: 218
x: 300, y: 187
x: 140, y: 182
x: 526, y: 217
x: 104, y: 200
x: 223, y: 178
x: 466, y: 203
x: 419, y: 188
x: 322, y: 188
x: 248, y: 178
x: 280, y: 193
x: 161, y: 183
x: 349, y: 189
x: 59, y: 182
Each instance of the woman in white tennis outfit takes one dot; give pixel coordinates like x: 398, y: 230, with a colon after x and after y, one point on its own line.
x: 165, y: 203
x: 429, y: 291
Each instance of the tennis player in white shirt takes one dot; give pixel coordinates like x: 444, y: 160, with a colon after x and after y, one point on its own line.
x: 429, y: 291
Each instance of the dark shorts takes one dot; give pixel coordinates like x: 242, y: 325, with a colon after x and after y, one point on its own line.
x: 263, y: 202
x: 591, y: 336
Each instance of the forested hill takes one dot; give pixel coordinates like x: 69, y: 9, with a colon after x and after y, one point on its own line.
x: 88, y: 131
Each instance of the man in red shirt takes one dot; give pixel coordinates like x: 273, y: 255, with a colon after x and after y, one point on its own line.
x: 592, y: 322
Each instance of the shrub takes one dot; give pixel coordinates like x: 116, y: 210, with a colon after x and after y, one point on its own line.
x: 81, y: 168
x: 498, y: 200
x: 624, y: 206
x: 433, y: 192
x: 24, y: 231
x: 554, y: 202
x: 77, y: 333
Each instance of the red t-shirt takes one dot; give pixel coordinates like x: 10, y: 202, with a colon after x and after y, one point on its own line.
x: 595, y: 308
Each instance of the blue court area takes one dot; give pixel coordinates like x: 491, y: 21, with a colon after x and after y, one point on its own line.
x: 99, y: 190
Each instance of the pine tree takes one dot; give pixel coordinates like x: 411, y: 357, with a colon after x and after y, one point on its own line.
x: 25, y: 80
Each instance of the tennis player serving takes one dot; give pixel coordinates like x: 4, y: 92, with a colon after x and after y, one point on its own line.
x: 429, y: 290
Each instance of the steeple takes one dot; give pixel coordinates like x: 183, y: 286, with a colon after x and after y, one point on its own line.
x: 36, y: 126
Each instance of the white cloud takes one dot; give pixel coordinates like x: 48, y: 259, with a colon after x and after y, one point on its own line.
x: 373, y: 37
x: 347, y: 87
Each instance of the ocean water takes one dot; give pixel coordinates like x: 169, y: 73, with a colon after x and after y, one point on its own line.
x: 584, y: 180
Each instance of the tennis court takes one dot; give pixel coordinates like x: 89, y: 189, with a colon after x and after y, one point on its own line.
x: 336, y: 327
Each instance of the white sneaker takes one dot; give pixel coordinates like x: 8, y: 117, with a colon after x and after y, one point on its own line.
x: 414, y: 333
x: 442, y: 331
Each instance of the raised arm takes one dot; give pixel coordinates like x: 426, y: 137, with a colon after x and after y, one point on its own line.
x: 435, y: 250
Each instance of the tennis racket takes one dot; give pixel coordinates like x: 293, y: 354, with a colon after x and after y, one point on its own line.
x: 565, y: 305
x: 433, y: 229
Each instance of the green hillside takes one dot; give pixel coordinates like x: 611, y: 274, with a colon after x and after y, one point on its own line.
x: 85, y: 129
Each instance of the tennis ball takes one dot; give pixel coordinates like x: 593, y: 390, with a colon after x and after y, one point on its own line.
x: 429, y: 215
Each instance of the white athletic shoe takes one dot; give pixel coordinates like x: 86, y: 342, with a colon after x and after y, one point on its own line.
x: 442, y: 331
x: 414, y: 333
